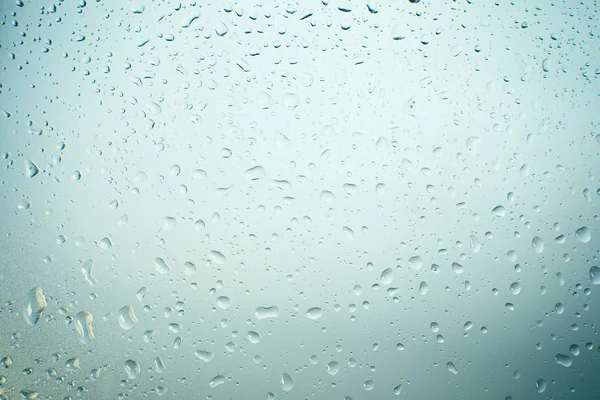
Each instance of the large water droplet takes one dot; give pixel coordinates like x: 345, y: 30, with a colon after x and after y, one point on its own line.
x: 132, y: 369
x: 220, y: 28
x: 314, y: 313
x: 563, y: 360
x: 216, y: 381
x: 540, y: 386
x: 415, y: 262
x: 267, y: 312
x: 333, y: 368
x: 35, y: 304
x: 538, y: 244
x: 31, y: 169
x: 387, y: 276
x: 217, y: 257
x: 287, y: 383
x: 595, y: 275
x: 452, y: 368
x: 83, y: 324
x: 127, y: 318
x: 161, y: 266
x: 583, y: 234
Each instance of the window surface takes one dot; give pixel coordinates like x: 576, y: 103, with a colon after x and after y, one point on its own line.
x: 299, y: 200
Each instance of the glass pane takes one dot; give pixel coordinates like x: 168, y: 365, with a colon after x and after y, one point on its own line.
x: 299, y: 200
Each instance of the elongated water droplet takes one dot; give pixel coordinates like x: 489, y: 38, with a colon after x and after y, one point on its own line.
x: 127, y: 318
x: 333, y: 368
x: 216, y: 381
x: 398, y: 390
x: 595, y: 275
x: 83, y: 324
x: 423, y: 288
x: 220, y: 28
x: 267, y: 312
x: 217, y: 257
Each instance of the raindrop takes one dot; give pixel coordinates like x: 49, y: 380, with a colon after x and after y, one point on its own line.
x: 314, y: 313
x: 287, y: 383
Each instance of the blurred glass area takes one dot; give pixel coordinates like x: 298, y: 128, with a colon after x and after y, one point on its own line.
x: 325, y: 199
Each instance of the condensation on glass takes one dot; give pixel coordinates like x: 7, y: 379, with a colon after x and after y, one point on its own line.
x: 299, y: 200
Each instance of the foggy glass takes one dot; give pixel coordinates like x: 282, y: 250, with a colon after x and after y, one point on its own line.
x: 299, y: 200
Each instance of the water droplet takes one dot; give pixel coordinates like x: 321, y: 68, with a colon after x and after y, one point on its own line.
x: 159, y: 365
x: 327, y: 197
x: 264, y: 100
x: 369, y: 385
x: 87, y: 270
x: 398, y: 32
x: 189, y: 268
x: 105, y: 243
x: 255, y: 173
x: 423, y: 288
x: 538, y: 244
x: 341, y: 77
x: 216, y: 381
x: 348, y: 232
x: 474, y: 243
x: 415, y: 262
x: 287, y: 383
x: 457, y: 268
x: 398, y: 390
x: 220, y: 28
x: 314, y: 313
x: 83, y: 324
x: 127, y: 318
x: 204, y: 355
x: 333, y: 368
x: 72, y: 364
x: 540, y: 386
x: 563, y: 360
x: 595, y: 275
x: 546, y: 64
x: 253, y: 337
x: 161, y: 266
x: 35, y: 304
x: 583, y: 234
x: 499, y: 211
x: 452, y: 368
x: 31, y: 169
x: 515, y: 288
x: 223, y: 302
x: 267, y: 312
x: 137, y: 7
x: 132, y: 369
x: 387, y: 276
x: 217, y: 257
